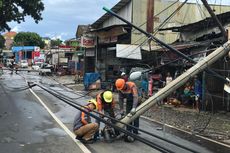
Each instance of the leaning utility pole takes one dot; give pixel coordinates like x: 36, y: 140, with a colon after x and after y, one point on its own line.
x: 215, y: 19
x: 202, y: 65
x: 178, y: 82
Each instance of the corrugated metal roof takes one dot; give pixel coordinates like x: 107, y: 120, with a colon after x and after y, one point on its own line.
x: 110, y: 27
x: 115, y: 9
x: 202, y: 24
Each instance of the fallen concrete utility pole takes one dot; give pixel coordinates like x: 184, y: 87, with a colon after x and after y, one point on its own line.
x: 178, y: 82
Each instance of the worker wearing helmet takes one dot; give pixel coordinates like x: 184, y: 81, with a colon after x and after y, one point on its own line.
x: 83, y: 128
x: 124, y: 76
x: 106, y: 102
x: 129, y: 91
x: 106, y: 105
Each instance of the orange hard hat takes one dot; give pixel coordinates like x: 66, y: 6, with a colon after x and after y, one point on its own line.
x: 120, y: 83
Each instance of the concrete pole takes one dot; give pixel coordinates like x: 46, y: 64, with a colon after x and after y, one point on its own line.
x: 178, y: 82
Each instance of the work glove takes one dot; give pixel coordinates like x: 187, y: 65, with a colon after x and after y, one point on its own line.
x: 133, y: 111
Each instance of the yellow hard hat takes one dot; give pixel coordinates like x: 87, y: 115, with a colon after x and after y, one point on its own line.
x: 108, y: 96
x: 93, y: 101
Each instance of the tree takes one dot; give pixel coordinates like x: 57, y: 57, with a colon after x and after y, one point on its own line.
x: 28, y: 39
x: 2, y: 42
x: 16, y: 10
x: 55, y: 43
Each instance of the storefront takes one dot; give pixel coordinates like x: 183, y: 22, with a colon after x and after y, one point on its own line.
x: 28, y: 53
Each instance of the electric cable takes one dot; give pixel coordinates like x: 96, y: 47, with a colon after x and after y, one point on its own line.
x: 145, y: 141
x: 146, y: 132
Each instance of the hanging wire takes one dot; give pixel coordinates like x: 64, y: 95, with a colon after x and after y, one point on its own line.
x: 196, y: 126
x: 157, y: 28
x: 157, y: 14
x: 169, y: 17
x: 146, y: 22
x: 79, y: 107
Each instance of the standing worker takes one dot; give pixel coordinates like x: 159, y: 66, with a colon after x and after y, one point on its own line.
x: 83, y: 128
x: 124, y: 76
x: 129, y: 91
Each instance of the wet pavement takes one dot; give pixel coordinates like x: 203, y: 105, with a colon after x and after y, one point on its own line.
x: 26, y: 126
x: 29, y: 128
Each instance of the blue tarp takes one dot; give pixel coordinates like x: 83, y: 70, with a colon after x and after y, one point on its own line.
x: 23, y: 48
x: 90, y: 78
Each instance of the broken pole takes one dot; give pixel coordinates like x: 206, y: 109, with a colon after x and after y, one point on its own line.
x: 178, y: 82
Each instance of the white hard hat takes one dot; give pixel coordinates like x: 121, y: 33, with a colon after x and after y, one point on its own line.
x: 123, y: 73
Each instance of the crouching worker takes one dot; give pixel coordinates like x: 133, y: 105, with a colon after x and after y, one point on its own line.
x: 106, y: 105
x: 83, y: 128
x: 106, y: 102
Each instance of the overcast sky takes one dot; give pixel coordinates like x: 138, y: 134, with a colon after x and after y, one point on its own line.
x: 61, y: 17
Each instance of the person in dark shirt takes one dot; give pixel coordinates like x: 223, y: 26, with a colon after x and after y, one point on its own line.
x: 83, y: 128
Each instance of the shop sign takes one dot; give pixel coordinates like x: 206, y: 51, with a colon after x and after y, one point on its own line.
x: 87, y: 41
x: 37, y: 53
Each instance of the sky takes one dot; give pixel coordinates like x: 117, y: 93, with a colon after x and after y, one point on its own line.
x: 61, y: 17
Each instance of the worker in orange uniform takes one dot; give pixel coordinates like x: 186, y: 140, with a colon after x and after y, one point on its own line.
x: 105, y: 101
x: 129, y: 91
x: 106, y: 105
x: 83, y: 128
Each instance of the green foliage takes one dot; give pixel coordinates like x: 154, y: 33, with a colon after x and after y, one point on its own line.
x: 2, y: 42
x: 16, y: 10
x: 28, y: 39
x: 55, y: 43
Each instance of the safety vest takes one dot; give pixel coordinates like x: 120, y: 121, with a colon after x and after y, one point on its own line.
x: 102, y: 104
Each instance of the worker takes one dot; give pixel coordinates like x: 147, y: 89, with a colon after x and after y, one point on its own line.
x: 83, y: 128
x: 106, y: 105
x: 129, y: 91
x: 105, y: 101
x: 124, y: 76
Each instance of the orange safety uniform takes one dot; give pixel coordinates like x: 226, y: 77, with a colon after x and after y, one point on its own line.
x: 102, y: 104
x: 130, y: 89
x: 130, y: 92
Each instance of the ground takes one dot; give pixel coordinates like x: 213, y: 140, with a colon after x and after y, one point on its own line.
x: 208, y: 124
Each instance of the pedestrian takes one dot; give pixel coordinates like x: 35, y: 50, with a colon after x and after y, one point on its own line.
x: 197, y: 91
x: 129, y: 91
x: 83, y: 128
x: 168, y: 78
